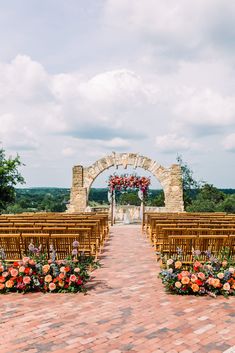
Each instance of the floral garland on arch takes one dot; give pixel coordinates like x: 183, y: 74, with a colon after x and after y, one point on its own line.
x: 125, y: 182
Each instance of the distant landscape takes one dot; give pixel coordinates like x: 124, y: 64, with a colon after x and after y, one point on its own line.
x: 56, y: 199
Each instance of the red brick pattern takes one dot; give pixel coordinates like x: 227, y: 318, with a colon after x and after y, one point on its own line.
x: 125, y: 310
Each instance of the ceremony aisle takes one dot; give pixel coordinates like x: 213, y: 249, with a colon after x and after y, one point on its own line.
x: 125, y: 310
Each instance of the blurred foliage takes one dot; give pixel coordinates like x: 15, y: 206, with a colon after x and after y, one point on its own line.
x: 9, y: 178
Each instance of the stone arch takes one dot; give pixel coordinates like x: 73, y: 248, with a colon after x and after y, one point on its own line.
x: 170, y: 179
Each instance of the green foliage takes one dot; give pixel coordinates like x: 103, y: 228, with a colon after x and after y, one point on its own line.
x: 210, y: 199
x: 129, y: 198
x: 9, y: 178
x: 40, y: 199
x: 190, y: 185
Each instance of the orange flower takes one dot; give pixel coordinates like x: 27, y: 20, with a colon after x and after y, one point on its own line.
x: 48, y: 278
x: 216, y: 283
x: 45, y: 268
x: 9, y: 283
x: 2, y: 286
x: 61, y: 283
x: 21, y: 269
x: 178, y: 264
x: 195, y: 287
x: 185, y: 280
x: 61, y: 275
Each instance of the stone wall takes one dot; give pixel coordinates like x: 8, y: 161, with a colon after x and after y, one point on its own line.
x: 169, y: 178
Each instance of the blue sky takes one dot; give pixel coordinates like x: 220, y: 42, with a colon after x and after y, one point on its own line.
x: 80, y: 79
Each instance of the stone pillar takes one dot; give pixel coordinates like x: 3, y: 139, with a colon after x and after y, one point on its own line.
x: 78, y: 194
x: 174, y: 191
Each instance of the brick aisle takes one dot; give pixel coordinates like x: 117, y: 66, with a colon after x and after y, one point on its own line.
x: 126, y: 310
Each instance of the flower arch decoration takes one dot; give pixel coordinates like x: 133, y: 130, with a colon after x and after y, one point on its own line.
x: 126, y: 182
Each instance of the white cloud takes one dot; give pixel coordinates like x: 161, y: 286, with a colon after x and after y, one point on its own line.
x: 171, y: 143
x: 229, y: 142
x: 206, y: 108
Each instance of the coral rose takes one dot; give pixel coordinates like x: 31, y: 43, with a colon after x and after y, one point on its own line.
x: 31, y: 262
x: 52, y: 286
x: 45, y: 268
x: 201, y: 275
x: 61, y: 275
x: 72, y: 278
x: 226, y: 286
x: 178, y: 284
x: 9, y: 283
x: 185, y: 280
x: 178, y: 264
x: 195, y: 287
x: 2, y: 286
x: 2, y: 279
x: 26, y: 279
x: 48, y: 278
x: 216, y: 283
x: 220, y: 275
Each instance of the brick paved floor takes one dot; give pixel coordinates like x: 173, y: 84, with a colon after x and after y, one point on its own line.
x: 126, y: 310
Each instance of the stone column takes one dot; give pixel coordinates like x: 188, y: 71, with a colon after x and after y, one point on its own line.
x: 78, y: 193
x: 174, y: 190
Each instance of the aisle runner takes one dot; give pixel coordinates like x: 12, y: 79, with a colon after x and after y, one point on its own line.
x: 126, y: 310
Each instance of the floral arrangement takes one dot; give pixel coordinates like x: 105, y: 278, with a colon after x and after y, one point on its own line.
x: 214, y: 277
x: 36, y: 273
x: 125, y: 182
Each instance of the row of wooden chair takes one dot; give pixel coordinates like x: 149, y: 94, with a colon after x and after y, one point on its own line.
x: 58, y: 230
x: 187, y: 231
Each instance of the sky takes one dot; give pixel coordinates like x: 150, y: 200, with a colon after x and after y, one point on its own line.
x: 82, y: 78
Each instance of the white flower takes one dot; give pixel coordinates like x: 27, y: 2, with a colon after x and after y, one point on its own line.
x: 170, y: 262
x: 231, y: 269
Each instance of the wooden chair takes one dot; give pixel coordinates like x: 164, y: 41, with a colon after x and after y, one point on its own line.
x: 10, y: 244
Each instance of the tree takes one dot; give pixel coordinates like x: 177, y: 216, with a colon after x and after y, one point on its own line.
x: 208, y: 199
x: 9, y: 178
x: 190, y: 185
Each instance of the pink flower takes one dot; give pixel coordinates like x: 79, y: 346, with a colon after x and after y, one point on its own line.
x: 178, y: 284
x: 25, y: 259
x: 5, y: 274
x: 201, y: 275
x: 14, y: 272
x: 193, y: 278
x: 77, y: 270
x: 72, y: 278
x: 31, y: 262
x: 62, y: 269
x: 21, y: 269
x: 52, y: 286
x: 26, y: 279
x: 226, y: 286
